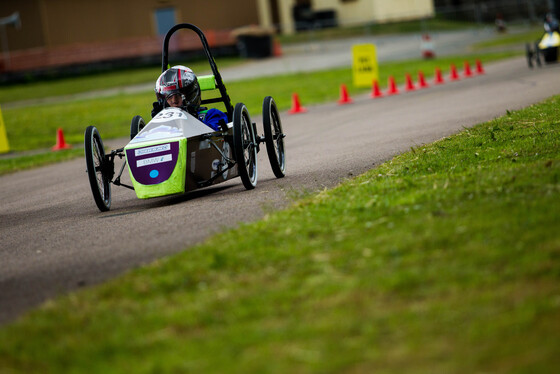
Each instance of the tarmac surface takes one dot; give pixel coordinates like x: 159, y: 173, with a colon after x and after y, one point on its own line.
x: 54, y: 240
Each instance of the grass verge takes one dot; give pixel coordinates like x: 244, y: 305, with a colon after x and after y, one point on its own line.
x: 32, y: 160
x: 35, y: 127
x: 96, y: 81
x: 445, y: 259
x: 530, y: 36
x: 416, y: 26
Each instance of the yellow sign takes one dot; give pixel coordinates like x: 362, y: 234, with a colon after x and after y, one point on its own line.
x: 364, y: 65
x: 4, y: 146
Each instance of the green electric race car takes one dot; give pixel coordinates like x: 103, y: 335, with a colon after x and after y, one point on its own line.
x: 176, y: 153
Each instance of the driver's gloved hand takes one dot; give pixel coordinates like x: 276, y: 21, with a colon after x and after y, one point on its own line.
x: 157, y: 107
x: 223, y: 125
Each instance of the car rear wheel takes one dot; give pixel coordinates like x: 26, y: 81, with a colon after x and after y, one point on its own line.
x: 245, y: 146
x: 136, y: 126
x: 97, y: 169
x: 274, y: 137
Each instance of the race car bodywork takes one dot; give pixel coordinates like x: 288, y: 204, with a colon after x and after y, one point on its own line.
x: 175, y: 153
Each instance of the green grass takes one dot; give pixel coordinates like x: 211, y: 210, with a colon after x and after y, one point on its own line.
x: 95, y: 82
x: 443, y: 260
x: 35, y: 127
x: 32, y: 128
x: 507, y: 40
x: 416, y: 26
x: 28, y: 161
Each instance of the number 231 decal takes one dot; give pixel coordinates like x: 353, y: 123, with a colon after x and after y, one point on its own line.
x: 170, y: 114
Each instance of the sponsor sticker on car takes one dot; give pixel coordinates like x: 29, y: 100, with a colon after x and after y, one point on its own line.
x: 153, y: 160
x: 150, y: 150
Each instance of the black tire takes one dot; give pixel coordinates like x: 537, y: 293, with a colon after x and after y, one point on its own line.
x: 97, y: 166
x: 529, y: 54
x: 538, y: 55
x: 136, y: 125
x: 245, y: 146
x: 274, y: 137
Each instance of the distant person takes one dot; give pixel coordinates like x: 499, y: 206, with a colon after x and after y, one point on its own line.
x: 551, y: 23
x: 178, y: 87
x: 500, y: 23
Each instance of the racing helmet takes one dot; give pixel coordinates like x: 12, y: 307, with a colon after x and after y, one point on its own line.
x: 179, y: 80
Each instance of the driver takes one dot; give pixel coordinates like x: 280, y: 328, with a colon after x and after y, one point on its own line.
x: 178, y: 87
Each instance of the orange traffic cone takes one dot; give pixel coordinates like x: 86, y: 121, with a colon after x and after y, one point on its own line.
x: 409, y: 84
x: 344, y: 97
x: 296, y: 107
x: 479, y: 68
x: 453, y: 75
x: 60, y: 143
x: 421, y: 80
x: 375, y: 91
x: 439, y: 77
x: 467, y: 70
x: 393, y: 90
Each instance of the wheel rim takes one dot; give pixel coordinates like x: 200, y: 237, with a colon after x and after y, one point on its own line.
x: 274, y: 137
x: 245, y: 146
x: 278, y: 139
x: 97, y: 166
x: 102, y: 182
x: 249, y: 150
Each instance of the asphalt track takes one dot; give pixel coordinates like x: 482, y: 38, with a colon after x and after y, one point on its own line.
x: 54, y: 240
